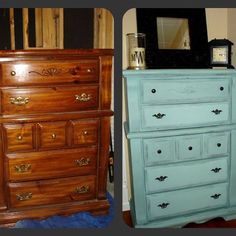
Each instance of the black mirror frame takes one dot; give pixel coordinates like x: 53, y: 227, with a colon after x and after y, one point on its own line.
x: 196, y: 57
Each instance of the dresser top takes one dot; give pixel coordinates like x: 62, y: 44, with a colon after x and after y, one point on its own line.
x: 15, y: 54
x: 176, y: 72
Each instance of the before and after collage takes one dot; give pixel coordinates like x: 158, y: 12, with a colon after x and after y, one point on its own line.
x: 60, y: 165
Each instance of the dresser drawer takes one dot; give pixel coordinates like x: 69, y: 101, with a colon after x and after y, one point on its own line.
x: 189, y: 147
x: 19, y: 137
x: 187, y: 201
x: 158, y: 150
x: 51, y: 72
x: 173, y: 116
x: 161, y: 178
x: 52, y: 134
x: 217, y: 144
x: 180, y: 90
x: 56, y: 99
x: 85, y: 132
x: 52, y: 164
x: 52, y: 191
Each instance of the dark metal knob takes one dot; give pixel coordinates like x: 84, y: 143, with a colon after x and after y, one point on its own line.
x: 161, y: 178
x: 216, y: 111
x: 218, y: 144
x: 221, y: 88
x: 159, y: 115
x: 159, y: 151
x: 190, y: 148
x: 216, y: 196
x: 216, y: 170
x: 153, y: 90
x: 164, y: 205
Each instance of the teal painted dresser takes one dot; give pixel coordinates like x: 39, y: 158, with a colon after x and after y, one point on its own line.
x: 181, y: 130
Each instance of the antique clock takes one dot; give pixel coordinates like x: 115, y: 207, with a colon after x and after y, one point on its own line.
x: 220, y: 53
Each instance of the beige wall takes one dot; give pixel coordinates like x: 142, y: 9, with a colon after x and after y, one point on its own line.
x: 220, y: 24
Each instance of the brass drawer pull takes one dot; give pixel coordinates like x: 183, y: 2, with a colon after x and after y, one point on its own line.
x: 24, y: 196
x: 19, y: 137
x: 85, y: 132
x: 83, y: 189
x: 216, y: 111
x: 89, y: 70
x: 159, y: 115
x: 164, y: 205
x: 83, y: 97
x: 216, y: 170
x: 216, y: 196
x: 19, y: 101
x: 22, y: 168
x: 54, y: 136
x: 13, y: 73
x: 162, y: 178
x: 82, y: 161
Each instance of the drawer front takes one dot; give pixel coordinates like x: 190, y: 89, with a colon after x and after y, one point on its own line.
x: 158, y: 150
x: 52, y: 164
x: 57, y: 99
x: 187, y: 201
x: 52, y: 191
x: 174, y: 91
x: 217, y: 144
x: 52, y: 134
x: 189, y: 147
x: 85, y: 132
x: 19, y: 137
x: 162, y: 178
x: 173, y: 116
x: 32, y: 72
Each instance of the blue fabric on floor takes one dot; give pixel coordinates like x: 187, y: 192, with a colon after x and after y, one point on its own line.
x: 79, y: 220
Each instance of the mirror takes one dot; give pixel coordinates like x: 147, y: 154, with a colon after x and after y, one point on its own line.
x: 173, y: 33
x: 175, y: 37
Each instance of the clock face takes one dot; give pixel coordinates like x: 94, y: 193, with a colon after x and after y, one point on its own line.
x: 220, y: 55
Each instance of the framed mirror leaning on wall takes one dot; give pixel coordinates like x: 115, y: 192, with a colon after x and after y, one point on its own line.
x: 175, y: 38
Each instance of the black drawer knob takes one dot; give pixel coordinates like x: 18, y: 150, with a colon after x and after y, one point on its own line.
x: 218, y: 144
x: 159, y: 151
x: 221, y: 88
x: 159, y: 115
x: 216, y: 170
x: 190, y: 148
x: 153, y: 90
x: 216, y: 196
x: 161, y: 178
x: 216, y: 111
x: 164, y: 205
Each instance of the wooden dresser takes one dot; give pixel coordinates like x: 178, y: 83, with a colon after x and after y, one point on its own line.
x: 181, y: 129
x: 55, y: 122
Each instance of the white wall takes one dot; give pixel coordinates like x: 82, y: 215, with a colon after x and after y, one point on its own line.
x: 220, y: 24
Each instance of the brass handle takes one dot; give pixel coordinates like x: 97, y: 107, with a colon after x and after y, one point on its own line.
x: 54, y: 136
x: 82, y: 189
x: 216, y: 196
x: 89, y: 70
x: 19, y: 137
x: 162, y: 178
x: 85, y: 132
x: 83, y: 97
x: 24, y: 196
x: 159, y: 115
x: 22, y: 168
x: 164, y: 205
x: 216, y: 111
x: 19, y: 101
x: 13, y: 73
x: 82, y: 161
x: 216, y: 170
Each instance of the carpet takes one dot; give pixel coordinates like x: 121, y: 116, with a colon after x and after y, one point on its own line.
x: 79, y: 220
